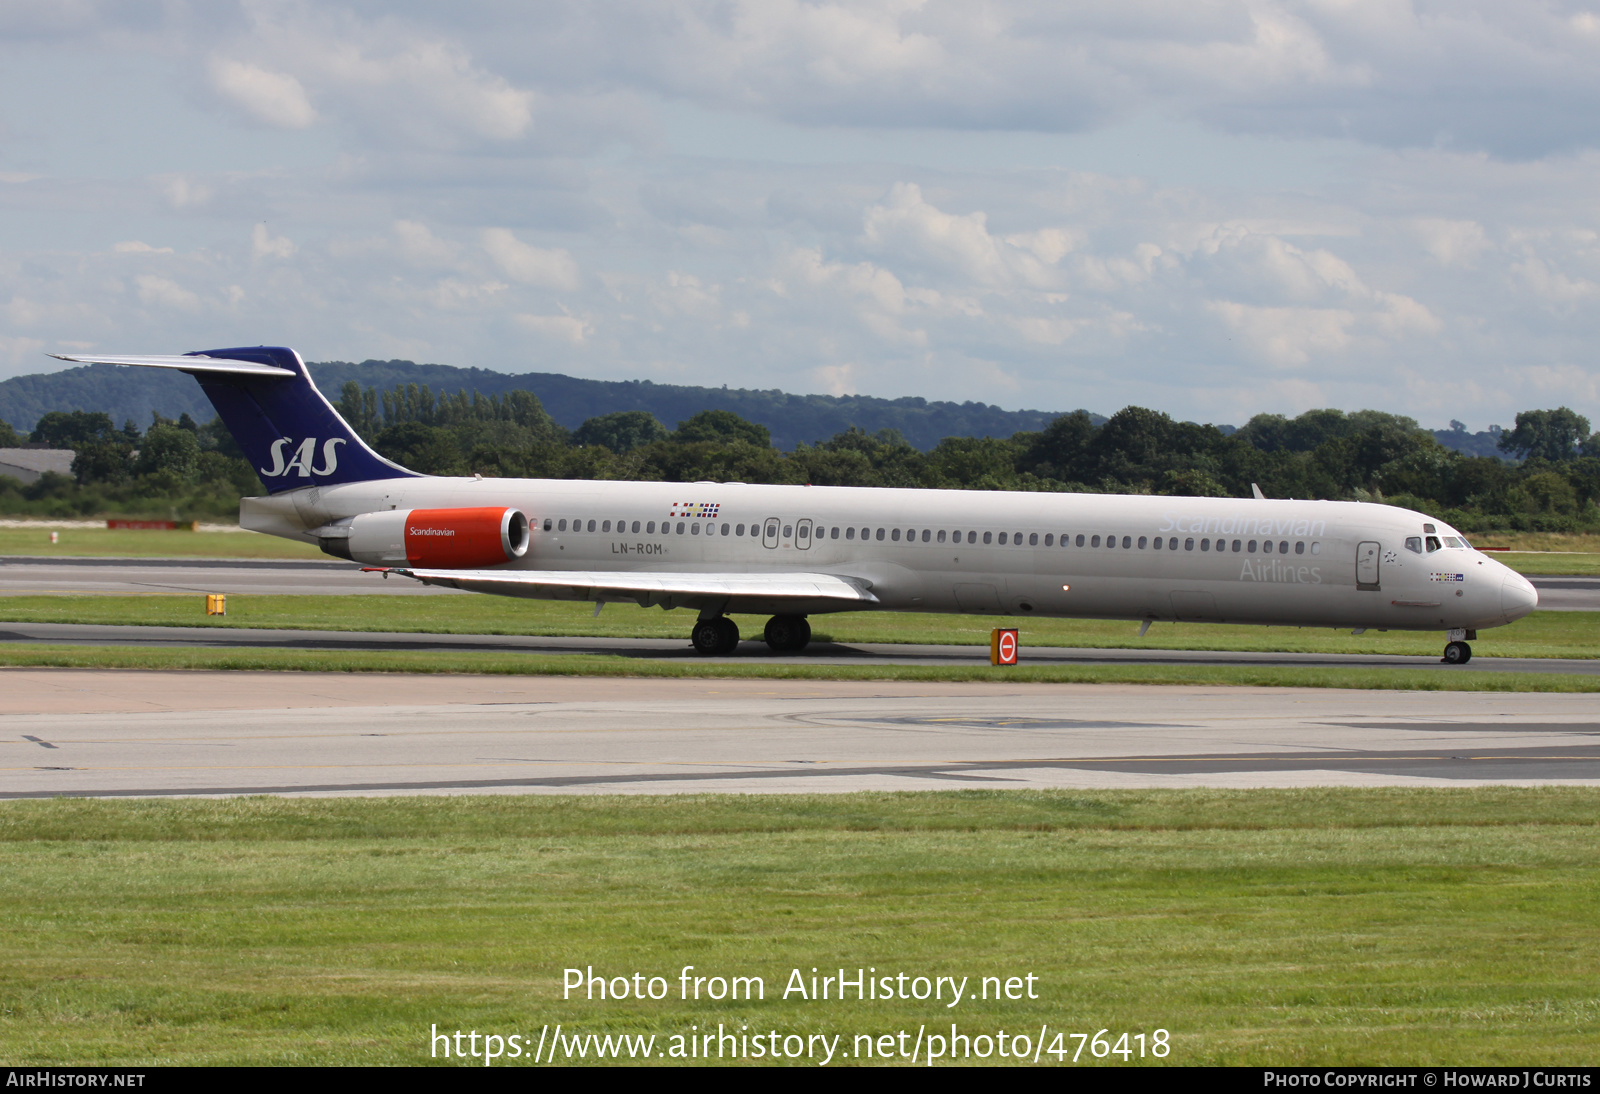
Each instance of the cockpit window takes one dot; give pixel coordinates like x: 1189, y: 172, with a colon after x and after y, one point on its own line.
x: 1452, y: 541
x: 1434, y: 544
x: 1414, y: 544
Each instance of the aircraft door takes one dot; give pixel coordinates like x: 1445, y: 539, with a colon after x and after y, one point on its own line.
x: 802, y: 534
x: 1367, y: 564
x: 769, y: 533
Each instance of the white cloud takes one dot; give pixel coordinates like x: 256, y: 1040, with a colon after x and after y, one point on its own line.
x: 566, y: 328
x: 163, y: 293
x: 135, y: 246
x: 421, y: 247
x: 552, y: 269
x: 273, y: 98
x: 263, y: 244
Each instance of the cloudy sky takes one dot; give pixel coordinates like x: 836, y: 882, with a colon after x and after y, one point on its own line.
x: 1210, y: 207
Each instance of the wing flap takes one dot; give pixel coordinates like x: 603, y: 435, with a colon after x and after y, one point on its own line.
x: 645, y: 587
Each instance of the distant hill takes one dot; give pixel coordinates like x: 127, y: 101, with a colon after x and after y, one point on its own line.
x: 134, y: 393
x: 1485, y: 443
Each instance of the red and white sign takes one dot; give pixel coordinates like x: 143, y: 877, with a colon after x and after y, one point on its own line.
x: 1003, y: 647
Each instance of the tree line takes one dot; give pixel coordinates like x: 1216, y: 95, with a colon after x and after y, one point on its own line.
x: 1549, y: 480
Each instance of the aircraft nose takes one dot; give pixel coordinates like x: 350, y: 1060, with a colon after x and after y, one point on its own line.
x: 1518, y: 597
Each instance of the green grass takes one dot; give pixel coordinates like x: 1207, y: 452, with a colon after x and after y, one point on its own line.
x: 1544, y: 634
x: 1286, y: 927
x: 1554, y: 563
x: 168, y: 658
x: 147, y: 543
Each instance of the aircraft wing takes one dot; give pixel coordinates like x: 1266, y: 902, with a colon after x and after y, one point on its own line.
x: 733, y: 592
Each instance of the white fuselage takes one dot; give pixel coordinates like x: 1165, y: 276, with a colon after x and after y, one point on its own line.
x: 1077, y: 555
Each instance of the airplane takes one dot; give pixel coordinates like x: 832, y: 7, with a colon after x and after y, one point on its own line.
x: 790, y: 552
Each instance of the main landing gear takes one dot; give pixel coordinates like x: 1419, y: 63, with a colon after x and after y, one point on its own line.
x: 715, y: 637
x: 720, y: 636
x: 787, y: 633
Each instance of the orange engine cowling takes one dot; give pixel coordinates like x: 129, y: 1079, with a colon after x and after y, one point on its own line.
x: 445, y: 539
x: 464, y: 539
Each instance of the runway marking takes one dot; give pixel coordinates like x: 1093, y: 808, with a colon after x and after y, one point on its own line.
x: 37, y: 741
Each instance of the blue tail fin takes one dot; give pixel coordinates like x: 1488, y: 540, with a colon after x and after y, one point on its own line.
x: 289, y: 432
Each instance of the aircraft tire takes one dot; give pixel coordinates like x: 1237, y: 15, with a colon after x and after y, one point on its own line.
x: 1457, y: 653
x: 787, y: 633
x: 729, y: 631
x: 707, y: 637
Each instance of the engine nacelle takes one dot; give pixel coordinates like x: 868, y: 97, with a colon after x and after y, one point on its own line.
x: 443, y: 539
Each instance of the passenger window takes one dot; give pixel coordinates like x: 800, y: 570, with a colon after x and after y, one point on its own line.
x: 1080, y: 540
x: 1188, y: 544
x: 1157, y: 543
x: 925, y: 535
x: 1252, y: 547
x: 1316, y: 547
x: 1414, y: 544
x: 988, y: 537
x: 788, y: 531
x: 1094, y: 541
x: 1283, y: 546
x: 1002, y: 539
x: 606, y: 527
x: 1049, y: 539
x: 895, y: 535
x: 849, y: 533
x: 1205, y: 545
x: 694, y: 529
x: 1127, y: 542
x: 1016, y: 537
x: 562, y: 527
x: 1266, y: 546
x: 941, y: 535
x: 834, y: 532
x: 972, y: 537
x: 1300, y: 547
x: 1142, y: 542
x: 1235, y: 546
x: 805, y: 532
x: 651, y: 528
x: 727, y: 529
x: 1111, y: 541
x: 546, y: 524
x: 739, y: 531
x: 880, y: 535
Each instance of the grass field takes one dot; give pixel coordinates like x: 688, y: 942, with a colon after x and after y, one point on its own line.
x: 1543, y: 634
x: 1325, y: 926
x: 1439, y: 678
x: 147, y: 543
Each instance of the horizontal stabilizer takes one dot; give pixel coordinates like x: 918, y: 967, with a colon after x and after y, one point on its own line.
x: 187, y: 362
x: 676, y: 590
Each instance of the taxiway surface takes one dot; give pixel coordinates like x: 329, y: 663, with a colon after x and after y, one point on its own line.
x: 142, y: 734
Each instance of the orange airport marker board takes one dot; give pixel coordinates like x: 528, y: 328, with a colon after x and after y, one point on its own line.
x: 1002, y: 647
